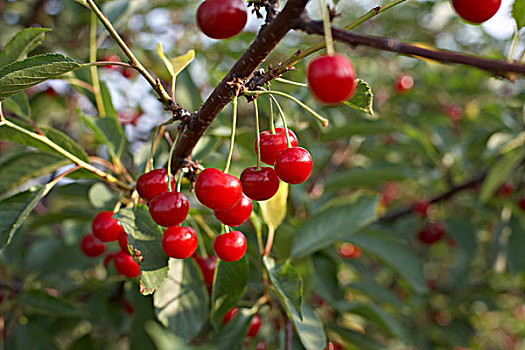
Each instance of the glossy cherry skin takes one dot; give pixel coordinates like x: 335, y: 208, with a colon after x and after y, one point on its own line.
x: 255, y: 325
x: 229, y: 315
x: 404, y: 84
x: 431, y: 233
x: 126, y: 265
x: 521, y: 203
x: 217, y: 190
x: 331, y: 78
x: 169, y: 209
x: 421, y: 207
x: 349, y: 251
x: 230, y: 246
x: 476, y: 11
x: 92, y: 246
x: 207, y: 267
x: 105, y: 227
x: 294, y: 165
x: 221, y: 19
x: 236, y: 215
x: 123, y: 243
x: 153, y: 183
x: 272, y: 144
x: 179, y: 242
x: 259, y: 184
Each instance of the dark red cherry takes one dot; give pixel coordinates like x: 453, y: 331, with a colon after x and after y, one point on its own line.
x: 169, y: 209
x: 92, y: 246
x: 126, y: 265
x: 476, y: 11
x: 421, y: 207
x: 521, y: 203
x: 105, y: 227
x: 431, y: 233
x: 404, y: 84
x: 221, y: 19
x: 331, y: 78
x: 207, y: 267
x: 255, y: 325
x: 238, y: 214
x: 229, y: 315
x: 230, y: 246
x: 294, y: 165
x: 217, y: 190
x: 123, y: 242
x: 272, y: 144
x: 179, y: 242
x: 153, y: 183
x: 506, y: 190
x: 259, y: 184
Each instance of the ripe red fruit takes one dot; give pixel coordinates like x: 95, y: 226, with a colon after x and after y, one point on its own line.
x: 421, y: 207
x: 294, y: 165
x: 179, y: 242
x: 153, y: 183
x: 229, y: 315
x: 221, y: 19
x: 404, y: 84
x: 331, y: 78
x: 230, y: 246
x: 92, y: 246
x: 108, y: 258
x: 349, y: 251
x: 126, y: 265
x: 272, y: 144
x: 476, y: 11
x: 238, y: 214
x: 217, y: 190
x: 259, y: 184
x: 123, y: 242
x: 207, y: 267
x: 128, y: 117
x: 431, y: 233
x: 255, y: 325
x: 521, y: 203
x: 105, y: 227
x: 454, y: 112
x: 112, y: 58
x: 506, y: 190
x: 169, y: 209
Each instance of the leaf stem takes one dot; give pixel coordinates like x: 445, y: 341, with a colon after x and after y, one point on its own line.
x: 93, y: 58
x: 257, y: 136
x: 232, y: 137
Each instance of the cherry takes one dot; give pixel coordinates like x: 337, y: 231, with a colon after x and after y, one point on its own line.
x: 255, y: 325
x: 92, y: 246
x: 431, y: 233
x: 123, y: 242
x: 521, y: 203
x: 126, y: 265
x: 272, y: 144
x: 261, y: 345
x: 153, y: 183
x: 259, y: 184
x: 421, y: 207
x: 293, y: 165
x: 221, y: 19
x: 238, y: 214
x: 179, y: 242
x: 349, y: 251
x: 333, y: 346
x: 229, y: 315
x: 331, y: 78
x: 111, y: 58
x: 105, y: 227
x: 207, y: 267
x: 404, y: 84
x: 128, y: 117
x: 506, y: 190
x: 454, y: 112
x: 129, y: 73
x: 169, y: 209
x: 476, y: 11
x: 230, y: 246
x: 217, y: 190
x: 391, y: 192
x: 108, y: 258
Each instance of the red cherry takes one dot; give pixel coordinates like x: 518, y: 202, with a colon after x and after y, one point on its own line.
x: 153, y: 183
x: 272, y: 144
x: 179, y: 242
x: 229, y: 315
x: 255, y: 325
x: 230, y: 246
x: 236, y: 215
x: 111, y: 58
x: 123, y: 242
x: 453, y: 112
x: 126, y: 265
x: 221, y: 19
x: 259, y: 184
x: 92, y: 246
x: 108, y: 258
x: 331, y: 78
x: 294, y: 165
x: 129, y: 73
x: 207, y: 267
x: 404, y: 84
x: 521, y: 203
x: 431, y: 233
x: 476, y: 11
x: 349, y: 251
x: 169, y: 209
x: 128, y: 117
x: 421, y: 207
x: 217, y: 190
x: 506, y: 190
x: 105, y: 227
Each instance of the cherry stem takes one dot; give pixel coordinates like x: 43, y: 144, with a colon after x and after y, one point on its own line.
x: 272, y: 126
x: 269, y: 241
x: 232, y: 137
x: 169, y: 161
x: 149, y: 163
x: 258, y: 136
x: 327, y: 29
x: 179, y: 181
x: 284, y: 121
x: 290, y: 82
x: 227, y: 228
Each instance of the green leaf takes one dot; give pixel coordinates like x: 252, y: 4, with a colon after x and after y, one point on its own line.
x: 310, y: 329
x: 101, y: 196
x: 15, y: 209
x: 23, y: 74
x: 108, y: 103
x: 326, y: 283
x: 21, y: 44
x: 176, y: 64
x: 367, y: 177
x: 463, y: 231
x: 114, y: 9
x: 363, y: 98
x: 500, y: 172
x: 107, y: 131
x: 518, y: 12
x: 181, y: 302
x: 229, y: 335
x: 358, y: 127
x: 229, y: 285
x: 358, y: 340
x: 273, y: 210
x: 515, y: 245
x: 38, y: 301
x: 165, y: 340
x: 18, y: 104
x: 287, y: 283
x: 145, y: 235
x: 333, y: 224
x: 401, y: 259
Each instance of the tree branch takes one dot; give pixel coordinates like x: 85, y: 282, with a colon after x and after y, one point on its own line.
x: 497, y: 67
